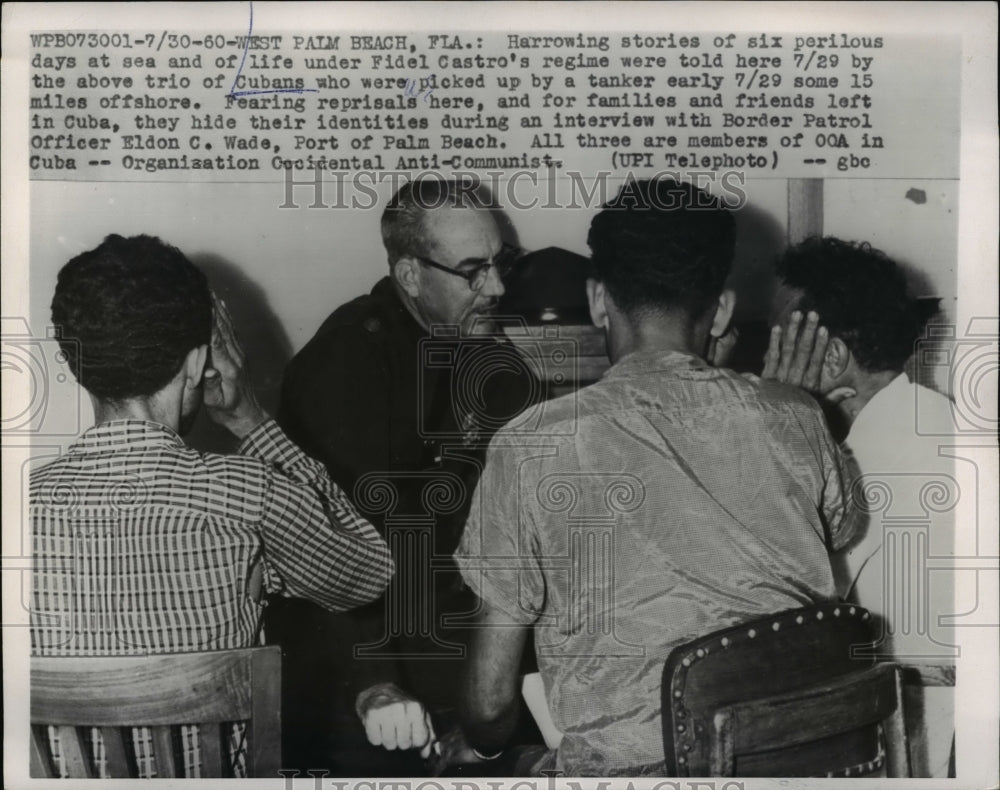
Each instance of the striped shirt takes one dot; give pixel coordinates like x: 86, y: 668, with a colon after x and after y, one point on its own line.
x: 141, y: 544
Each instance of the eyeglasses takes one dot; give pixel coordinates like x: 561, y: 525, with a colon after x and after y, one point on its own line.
x: 476, y: 276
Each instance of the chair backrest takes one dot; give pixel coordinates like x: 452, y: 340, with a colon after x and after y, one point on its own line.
x: 797, y: 650
x: 813, y: 713
x: 116, y: 693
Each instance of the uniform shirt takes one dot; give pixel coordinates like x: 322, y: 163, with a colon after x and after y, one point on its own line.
x: 401, y: 417
x: 664, y: 502
x: 142, y: 544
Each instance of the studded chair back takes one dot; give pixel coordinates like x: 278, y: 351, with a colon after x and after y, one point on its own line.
x: 810, y: 653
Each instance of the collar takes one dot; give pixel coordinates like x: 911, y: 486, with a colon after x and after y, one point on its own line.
x: 644, y: 362
x: 881, y: 406
x: 133, y: 434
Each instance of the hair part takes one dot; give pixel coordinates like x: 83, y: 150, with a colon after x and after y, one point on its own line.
x: 662, y: 245
x: 860, y: 295
x: 128, y: 313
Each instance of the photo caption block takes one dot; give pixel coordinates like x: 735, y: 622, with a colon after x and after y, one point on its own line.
x: 220, y: 106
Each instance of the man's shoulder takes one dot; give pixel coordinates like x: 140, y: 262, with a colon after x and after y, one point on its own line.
x: 706, y: 388
x: 563, y: 415
x: 356, y: 330
x: 176, y: 475
x: 550, y: 423
x: 902, y: 429
x: 778, y: 394
x: 42, y: 476
x: 365, y: 315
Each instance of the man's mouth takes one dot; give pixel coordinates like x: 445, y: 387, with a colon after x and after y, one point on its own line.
x: 486, y: 309
x: 479, y: 320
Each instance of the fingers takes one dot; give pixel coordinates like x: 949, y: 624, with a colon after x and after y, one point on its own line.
x: 811, y: 377
x: 224, y: 342
x: 419, y: 735
x: 795, y: 353
x: 404, y: 734
x: 431, y: 742
x: 373, y: 729
x: 788, y: 341
x: 841, y: 393
x: 773, y: 356
x: 212, y: 382
x: 219, y: 318
x: 400, y: 725
x: 802, y: 350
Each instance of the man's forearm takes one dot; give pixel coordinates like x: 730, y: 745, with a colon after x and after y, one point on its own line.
x: 489, y: 731
x: 490, y: 699
x: 269, y: 442
x: 314, y: 538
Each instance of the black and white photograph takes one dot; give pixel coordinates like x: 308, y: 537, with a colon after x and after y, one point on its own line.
x: 470, y: 396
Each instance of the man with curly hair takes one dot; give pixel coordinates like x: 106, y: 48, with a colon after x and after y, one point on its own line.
x: 845, y: 329
x: 140, y: 544
x: 668, y: 500
x: 136, y: 511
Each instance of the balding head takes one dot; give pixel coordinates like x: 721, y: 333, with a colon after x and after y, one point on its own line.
x: 405, y: 216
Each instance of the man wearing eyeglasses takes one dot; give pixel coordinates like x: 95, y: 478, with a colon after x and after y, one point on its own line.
x: 398, y: 394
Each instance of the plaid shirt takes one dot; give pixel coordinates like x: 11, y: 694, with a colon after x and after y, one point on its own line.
x: 142, y: 544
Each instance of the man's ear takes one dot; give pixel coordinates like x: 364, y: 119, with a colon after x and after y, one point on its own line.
x: 595, y: 300
x: 836, y: 360
x: 194, y: 366
x: 406, y: 273
x: 723, y: 313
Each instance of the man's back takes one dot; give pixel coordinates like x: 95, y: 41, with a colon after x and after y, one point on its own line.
x: 666, y: 501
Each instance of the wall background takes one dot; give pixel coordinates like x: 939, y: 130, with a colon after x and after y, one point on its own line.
x: 282, y: 271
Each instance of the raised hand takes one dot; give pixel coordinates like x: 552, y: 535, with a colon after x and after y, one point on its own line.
x: 228, y: 397
x: 795, y: 355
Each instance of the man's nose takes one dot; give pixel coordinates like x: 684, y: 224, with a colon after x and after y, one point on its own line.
x: 493, y: 286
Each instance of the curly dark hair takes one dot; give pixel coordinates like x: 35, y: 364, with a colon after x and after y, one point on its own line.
x: 860, y: 295
x: 128, y: 313
x: 662, y: 244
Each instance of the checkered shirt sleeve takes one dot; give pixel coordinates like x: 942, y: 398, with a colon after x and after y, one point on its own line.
x: 316, y: 545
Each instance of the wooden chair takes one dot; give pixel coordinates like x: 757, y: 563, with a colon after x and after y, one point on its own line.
x: 116, y: 693
x: 792, y: 694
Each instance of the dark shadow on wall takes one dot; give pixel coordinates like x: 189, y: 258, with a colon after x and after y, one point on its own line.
x: 493, y: 204
x: 262, y: 337
x: 760, y: 238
